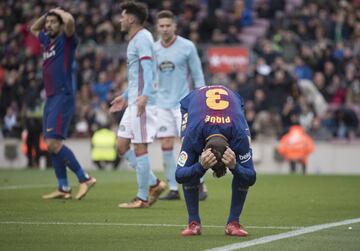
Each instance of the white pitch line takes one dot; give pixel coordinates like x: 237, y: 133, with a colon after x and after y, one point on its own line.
x: 286, y: 235
x: 123, y: 224
x: 18, y: 187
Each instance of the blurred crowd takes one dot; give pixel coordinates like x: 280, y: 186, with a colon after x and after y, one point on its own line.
x: 305, y: 70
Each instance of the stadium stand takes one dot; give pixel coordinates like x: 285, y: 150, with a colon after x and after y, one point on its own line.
x: 296, y: 47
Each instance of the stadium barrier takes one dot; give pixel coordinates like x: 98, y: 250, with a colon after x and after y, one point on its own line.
x: 328, y: 158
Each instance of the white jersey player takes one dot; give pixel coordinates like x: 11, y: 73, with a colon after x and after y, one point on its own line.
x: 138, y: 124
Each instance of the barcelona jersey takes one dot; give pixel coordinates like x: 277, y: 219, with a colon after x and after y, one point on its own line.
x: 210, y: 110
x: 58, y: 56
x: 214, y: 110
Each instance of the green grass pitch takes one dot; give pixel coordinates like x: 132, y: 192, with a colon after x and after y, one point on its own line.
x: 276, y: 204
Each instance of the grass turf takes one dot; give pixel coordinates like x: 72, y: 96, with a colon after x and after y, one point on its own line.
x: 29, y: 223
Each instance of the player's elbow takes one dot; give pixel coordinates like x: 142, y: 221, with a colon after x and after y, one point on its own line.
x: 252, y: 178
x: 178, y: 176
x: 34, y: 31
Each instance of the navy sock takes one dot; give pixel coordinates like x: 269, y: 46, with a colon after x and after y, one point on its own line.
x: 191, y: 194
x: 237, y: 200
x: 60, y: 172
x: 69, y: 159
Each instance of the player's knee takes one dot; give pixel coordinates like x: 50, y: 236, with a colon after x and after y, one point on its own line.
x: 167, y: 143
x: 122, y: 149
x: 140, y: 149
x: 54, y: 145
x: 123, y: 145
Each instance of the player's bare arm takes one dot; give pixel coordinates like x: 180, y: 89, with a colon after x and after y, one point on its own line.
x: 118, y: 104
x: 68, y: 19
x: 38, y: 25
x: 141, y: 102
x: 229, y: 158
x: 207, y: 159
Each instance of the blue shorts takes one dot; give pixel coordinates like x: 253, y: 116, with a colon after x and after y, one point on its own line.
x: 57, y: 116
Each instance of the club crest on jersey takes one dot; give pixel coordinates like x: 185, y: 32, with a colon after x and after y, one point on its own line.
x: 166, y: 66
x: 49, y: 54
x: 182, y: 158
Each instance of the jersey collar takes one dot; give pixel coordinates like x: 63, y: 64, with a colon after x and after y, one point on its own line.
x: 170, y: 43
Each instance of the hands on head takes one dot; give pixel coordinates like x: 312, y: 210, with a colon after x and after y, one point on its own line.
x: 208, y: 159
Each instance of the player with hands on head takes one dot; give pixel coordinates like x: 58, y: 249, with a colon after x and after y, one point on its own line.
x: 56, y: 33
x: 215, y: 136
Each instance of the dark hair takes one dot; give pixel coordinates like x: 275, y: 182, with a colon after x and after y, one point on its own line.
x: 165, y: 14
x: 218, y: 144
x: 55, y: 15
x: 139, y: 10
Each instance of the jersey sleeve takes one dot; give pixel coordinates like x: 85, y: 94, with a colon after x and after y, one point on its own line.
x: 145, y: 53
x: 145, y: 49
x: 43, y: 38
x: 73, y: 40
x: 188, y: 167
x: 244, y: 168
x: 195, y: 67
x: 184, y: 105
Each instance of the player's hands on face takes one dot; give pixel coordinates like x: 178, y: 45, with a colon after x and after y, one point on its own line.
x: 229, y: 158
x: 207, y: 159
x: 118, y: 104
x: 141, y: 102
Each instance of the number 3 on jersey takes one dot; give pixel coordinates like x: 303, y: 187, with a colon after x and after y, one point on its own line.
x: 214, y: 100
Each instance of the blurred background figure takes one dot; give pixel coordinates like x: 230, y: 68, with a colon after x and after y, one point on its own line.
x: 295, y: 146
x: 103, y: 148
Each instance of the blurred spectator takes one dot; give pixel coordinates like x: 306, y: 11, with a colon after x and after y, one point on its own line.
x: 33, y: 112
x: 302, y: 70
x: 102, y: 87
x: 11, y: 128
x: 317, y: 41
x: 103, y: 148
x: 296, y: 146
x: 347, y: 123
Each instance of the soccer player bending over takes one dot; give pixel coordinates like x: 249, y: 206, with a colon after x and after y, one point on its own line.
x: 59, y: 45
x: 215, y: 135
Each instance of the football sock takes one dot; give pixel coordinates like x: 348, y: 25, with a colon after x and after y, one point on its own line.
x: 170, y: 168
x: 69, y: 159
x: 131, y: 158
x: 60, y: 172
x: 237, y: 200
x: 191, y: 194
x: 153, y: 180
x: 142, y: 175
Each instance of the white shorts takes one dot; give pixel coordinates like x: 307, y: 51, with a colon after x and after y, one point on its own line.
x: 139, y: 129
x: 168, y: 121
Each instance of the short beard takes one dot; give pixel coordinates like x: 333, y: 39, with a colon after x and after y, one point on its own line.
x: 55, y: 35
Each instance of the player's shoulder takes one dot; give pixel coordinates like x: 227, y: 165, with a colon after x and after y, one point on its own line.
x: 184, y: 41
x: 143, y: 35
x: 157, y: 44
x: 146, y: 33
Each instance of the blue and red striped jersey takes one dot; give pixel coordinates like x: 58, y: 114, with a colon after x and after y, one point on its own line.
x: 58, y: 56
x: 212, y: 105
